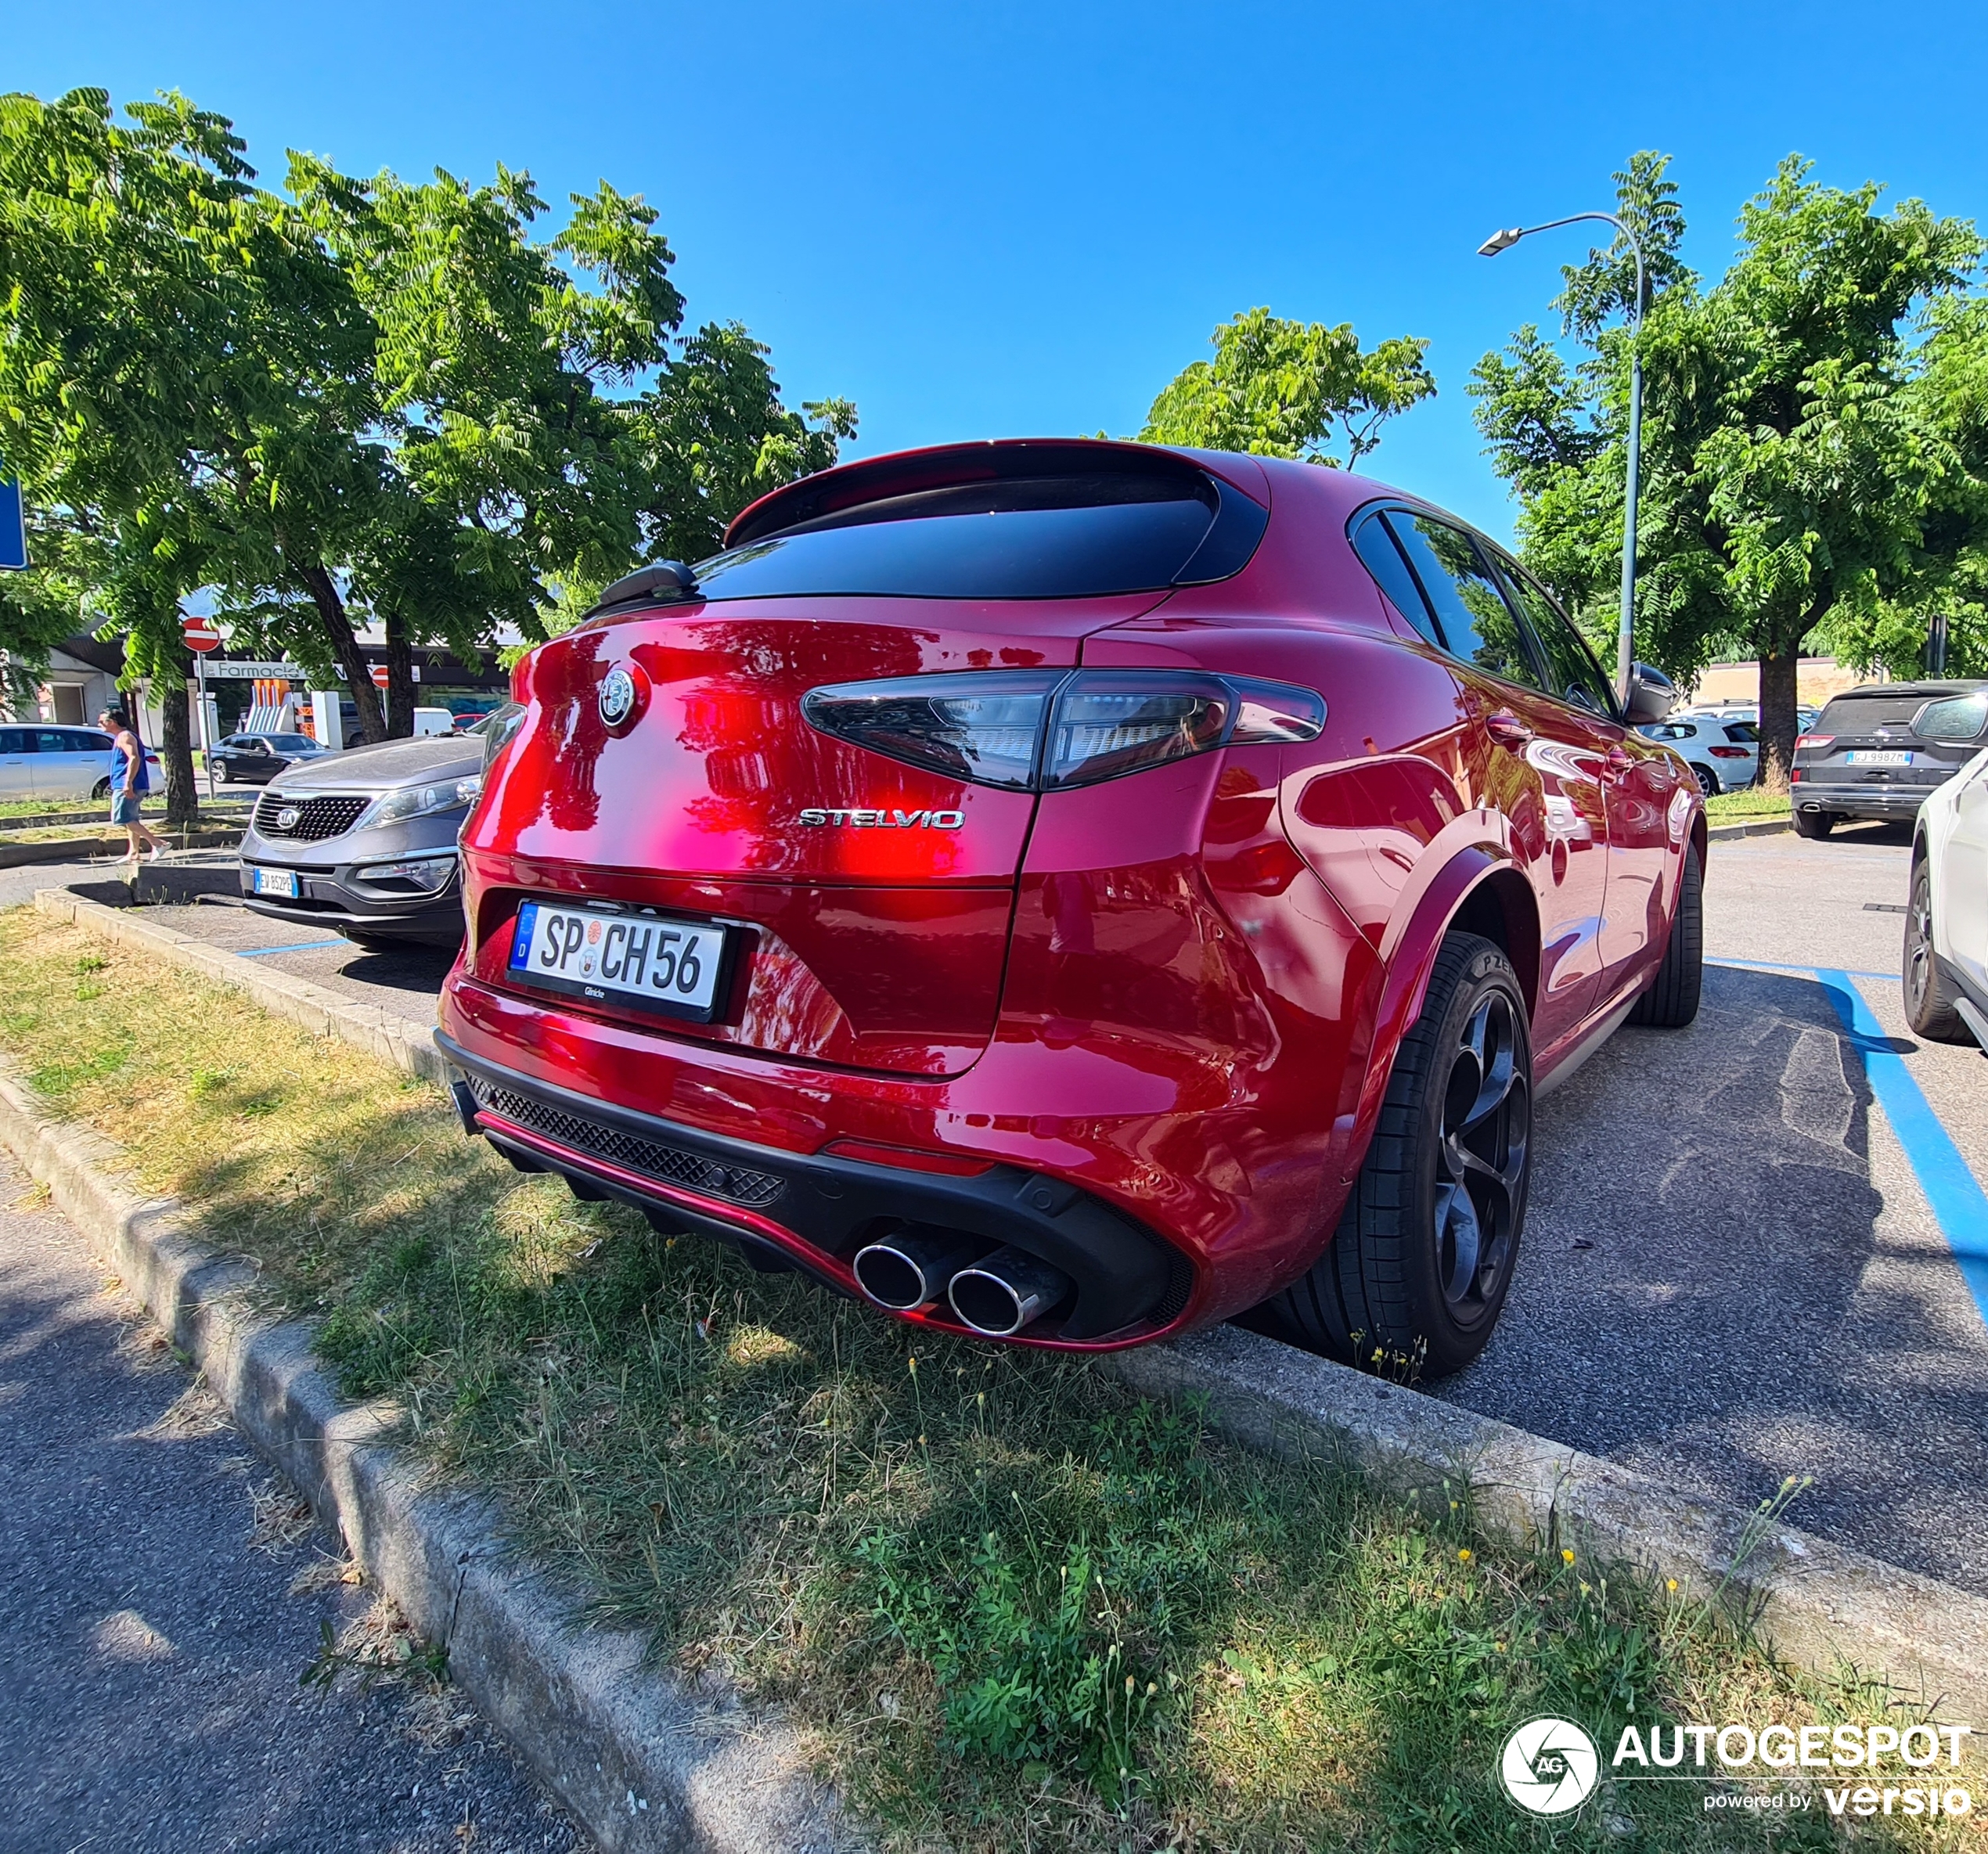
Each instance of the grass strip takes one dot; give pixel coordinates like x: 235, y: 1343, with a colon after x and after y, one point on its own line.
x: 1738, y: 808
x: 1017, y: 1607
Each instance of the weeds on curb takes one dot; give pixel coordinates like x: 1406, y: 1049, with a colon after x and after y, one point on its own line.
x: 1017, y: 1607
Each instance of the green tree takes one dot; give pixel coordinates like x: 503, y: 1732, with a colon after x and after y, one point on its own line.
x: 1287, y: 389
x: 356, y: 401
x: 1794, y: 462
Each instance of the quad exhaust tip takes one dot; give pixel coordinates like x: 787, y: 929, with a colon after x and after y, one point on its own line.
x: 1007, y: 1291
x: 911, y: 1269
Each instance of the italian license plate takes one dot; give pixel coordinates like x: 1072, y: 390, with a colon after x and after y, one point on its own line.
x: 653, y: 963
x: 276, y: 881
x: 1879, y: 756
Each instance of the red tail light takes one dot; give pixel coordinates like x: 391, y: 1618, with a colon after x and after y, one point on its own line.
x: 1804, y: 740
x: 1732, y: 753
x: 1045, y: 729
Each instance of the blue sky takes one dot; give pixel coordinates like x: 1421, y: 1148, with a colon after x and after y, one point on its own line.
x: 986, y: 220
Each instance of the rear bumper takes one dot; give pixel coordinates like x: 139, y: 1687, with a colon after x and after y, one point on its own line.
x: 1861, y: 801
x: 816, y: 1210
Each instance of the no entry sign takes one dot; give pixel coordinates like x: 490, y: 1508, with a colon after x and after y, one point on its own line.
x: 379, y: 676
x: 200, y: 635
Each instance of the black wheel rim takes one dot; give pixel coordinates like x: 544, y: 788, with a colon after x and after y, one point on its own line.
x: 1918, y: 945
x: 1481, y: 1156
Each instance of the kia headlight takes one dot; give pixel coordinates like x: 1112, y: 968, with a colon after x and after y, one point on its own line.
x: 424, y: 801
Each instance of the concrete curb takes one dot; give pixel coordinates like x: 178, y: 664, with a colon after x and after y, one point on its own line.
x: 647, y: 1762
x: 1719, y: 833
x: 1821, y: 1606
x: 1818, y: 1605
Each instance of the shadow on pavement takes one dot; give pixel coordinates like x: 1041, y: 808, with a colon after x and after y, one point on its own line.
x: 1759, y: 1301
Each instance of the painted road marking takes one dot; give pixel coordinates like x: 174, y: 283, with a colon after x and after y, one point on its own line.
x: 259, y: 952
x: 1805, y: 971
x: 1953, y: 1192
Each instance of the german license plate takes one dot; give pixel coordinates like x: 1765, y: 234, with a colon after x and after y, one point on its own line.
x: 650, y: 961
x: 1878, y: 756
x: 276, y: 881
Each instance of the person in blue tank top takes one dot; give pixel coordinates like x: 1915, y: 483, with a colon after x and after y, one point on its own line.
x: 129, y: 783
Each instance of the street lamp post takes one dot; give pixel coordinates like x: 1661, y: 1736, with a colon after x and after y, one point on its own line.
x: 1503, y: 241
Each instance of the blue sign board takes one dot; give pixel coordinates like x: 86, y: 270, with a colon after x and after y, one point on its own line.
x: 13, y: 530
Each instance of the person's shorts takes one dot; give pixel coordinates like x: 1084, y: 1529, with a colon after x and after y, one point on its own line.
x: 124, y: 807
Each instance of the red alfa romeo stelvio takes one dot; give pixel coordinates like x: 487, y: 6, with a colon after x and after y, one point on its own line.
x: 1075, y: 892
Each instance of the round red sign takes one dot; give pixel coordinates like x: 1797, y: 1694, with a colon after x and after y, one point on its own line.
x: 199, y: 634
x: 379, y: 676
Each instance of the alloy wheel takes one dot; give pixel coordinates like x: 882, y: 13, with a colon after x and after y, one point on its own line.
x: 1482, y: 1158
x: 1919, y: 942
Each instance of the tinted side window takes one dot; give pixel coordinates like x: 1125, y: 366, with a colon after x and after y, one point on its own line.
x: 1382, y: 558
x: 15, y: 740
x: 1742, y: 733
x: 1572, y: 674
x: 1476, y: 623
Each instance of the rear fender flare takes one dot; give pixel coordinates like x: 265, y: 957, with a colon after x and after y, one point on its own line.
x: 1483, y: 875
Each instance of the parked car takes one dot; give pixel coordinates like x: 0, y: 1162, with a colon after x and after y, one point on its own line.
x: 363, y: 842
x: 61, y: 762
x: 255, y: 759
x: 1946, y: 909
x: 1879, y: 751
x: 1722, y: 753
x: 1073, y: 892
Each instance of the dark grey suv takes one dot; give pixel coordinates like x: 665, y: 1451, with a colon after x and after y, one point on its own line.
x: 1877, y: 752
x: 363, y: 842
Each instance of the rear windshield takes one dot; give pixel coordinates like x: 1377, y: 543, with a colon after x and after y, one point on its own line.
x: 1864, y: 713
x: 1055, y: 537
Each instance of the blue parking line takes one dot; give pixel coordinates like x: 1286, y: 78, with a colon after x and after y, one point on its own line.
x: 257, y: 952
x: 1953, y: 1192
x: 1805, y: 971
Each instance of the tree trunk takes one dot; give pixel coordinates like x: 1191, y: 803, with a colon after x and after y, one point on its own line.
x: 1777, y: 724
x: 400, y: 679
x: 175, y: 748
x: 345, y: 651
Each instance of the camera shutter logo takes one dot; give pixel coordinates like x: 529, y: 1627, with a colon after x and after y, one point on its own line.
x: 1550, y: 1766
x: 618, y: 696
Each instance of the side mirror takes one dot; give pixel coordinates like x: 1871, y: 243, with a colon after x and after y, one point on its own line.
x: 1652, y: 695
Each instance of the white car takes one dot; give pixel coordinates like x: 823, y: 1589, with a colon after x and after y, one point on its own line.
x: 61, y: 762
x: 1723, y: 752
x: 1946, y: 912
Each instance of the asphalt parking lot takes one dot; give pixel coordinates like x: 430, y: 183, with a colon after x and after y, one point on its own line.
x: 1732, y: 1271
x: 1741, y: 1258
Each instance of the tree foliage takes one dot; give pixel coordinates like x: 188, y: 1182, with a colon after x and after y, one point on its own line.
x: 354, y: 399
x: 1288, y: 389
x: 1810, y: 474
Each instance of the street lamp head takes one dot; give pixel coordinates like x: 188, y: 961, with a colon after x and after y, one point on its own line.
x: 1500, y: 241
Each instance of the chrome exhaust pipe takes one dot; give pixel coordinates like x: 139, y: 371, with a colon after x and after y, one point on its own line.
x: 912, y: 1268
x: 1001, y: 1295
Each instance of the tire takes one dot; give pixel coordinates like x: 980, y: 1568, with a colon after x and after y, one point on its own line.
x: 1930, y: 992
x: 101, y: 790
x: 1671, y: 1001
x: 224, y: 774
x: 1708, y: 781
x: 1417, y: 1271
x: 1814, y: 823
